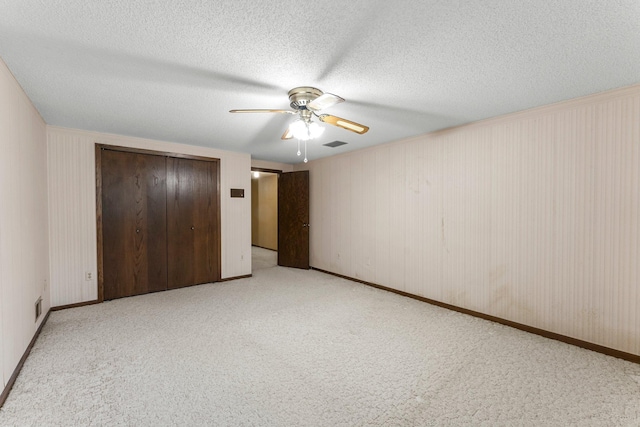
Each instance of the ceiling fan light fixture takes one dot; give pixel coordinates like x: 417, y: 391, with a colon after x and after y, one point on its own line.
x: 305, y: 131
x: 299, y: 130
x: 315, y: 130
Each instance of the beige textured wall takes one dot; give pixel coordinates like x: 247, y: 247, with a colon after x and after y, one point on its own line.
x: 72, y: 212
x: 269, y: 211
x: 24, y: 258
x: 255, y: 211
x: 265, y: 211
x: 532, y: 217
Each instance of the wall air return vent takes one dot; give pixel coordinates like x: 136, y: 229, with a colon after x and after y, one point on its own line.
x: 334, y: 144
x: 38, y: 308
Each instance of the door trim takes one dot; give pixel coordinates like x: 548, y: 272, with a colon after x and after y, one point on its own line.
x: 155, y: 153
x: 99, y: 237
x: 265, y: 170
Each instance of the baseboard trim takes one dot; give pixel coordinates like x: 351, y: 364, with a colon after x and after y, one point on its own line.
x: 547, y: 334
x: 228, y: 279
x: 16, y: 372
x: 78, y: 304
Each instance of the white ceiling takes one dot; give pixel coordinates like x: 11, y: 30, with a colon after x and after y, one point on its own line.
x: 171, y: 69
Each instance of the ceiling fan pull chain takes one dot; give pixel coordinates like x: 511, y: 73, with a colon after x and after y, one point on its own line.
x: 305, y: 152
x: 298, y: 147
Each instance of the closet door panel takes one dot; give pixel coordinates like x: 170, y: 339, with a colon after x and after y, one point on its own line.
x: 192, y: 226
x: 133, y: 223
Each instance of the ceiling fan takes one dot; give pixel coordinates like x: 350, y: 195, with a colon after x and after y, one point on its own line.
x: 307, y: 102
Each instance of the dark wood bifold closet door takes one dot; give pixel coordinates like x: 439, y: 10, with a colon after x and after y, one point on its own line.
x: 133, y: 223
x: 192, y: 224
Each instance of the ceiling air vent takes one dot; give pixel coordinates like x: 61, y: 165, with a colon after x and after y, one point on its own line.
x: 334, y: 144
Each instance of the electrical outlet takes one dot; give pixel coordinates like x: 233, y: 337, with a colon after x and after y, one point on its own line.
x: 88, y: 276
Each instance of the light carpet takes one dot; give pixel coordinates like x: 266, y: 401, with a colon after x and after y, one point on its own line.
x: 302, y: 348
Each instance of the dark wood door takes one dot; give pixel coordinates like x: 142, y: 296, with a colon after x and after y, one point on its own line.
x: 192, y: 222
x: 293, y: 219
x: 133, y: 223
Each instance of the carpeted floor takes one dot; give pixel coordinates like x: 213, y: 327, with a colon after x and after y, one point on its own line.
x: 263, y: 258
x: 301, y: 348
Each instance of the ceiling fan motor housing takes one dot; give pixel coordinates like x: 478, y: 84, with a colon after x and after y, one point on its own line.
x: 301, y: 96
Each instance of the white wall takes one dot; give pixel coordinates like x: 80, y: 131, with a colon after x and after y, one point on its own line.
x: 72, y: 208
x: 24, y: 266
x: 532, y: 217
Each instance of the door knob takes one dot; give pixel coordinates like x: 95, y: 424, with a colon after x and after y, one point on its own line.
x: 192, y: 227
x: 137, y: 230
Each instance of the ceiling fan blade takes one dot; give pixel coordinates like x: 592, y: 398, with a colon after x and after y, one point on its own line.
x: 344, y: 123
x: 257, y: 110
x: 287, y: 134
x: 325, y: 100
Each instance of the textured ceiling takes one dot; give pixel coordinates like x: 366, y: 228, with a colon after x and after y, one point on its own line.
x: 171, y: 70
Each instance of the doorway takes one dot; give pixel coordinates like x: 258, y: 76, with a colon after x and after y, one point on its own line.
x: 264, y: 219
x: 280, y: 217
x: 264, y: 210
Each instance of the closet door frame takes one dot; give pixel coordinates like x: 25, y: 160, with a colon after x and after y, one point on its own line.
x: 98, y: 156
